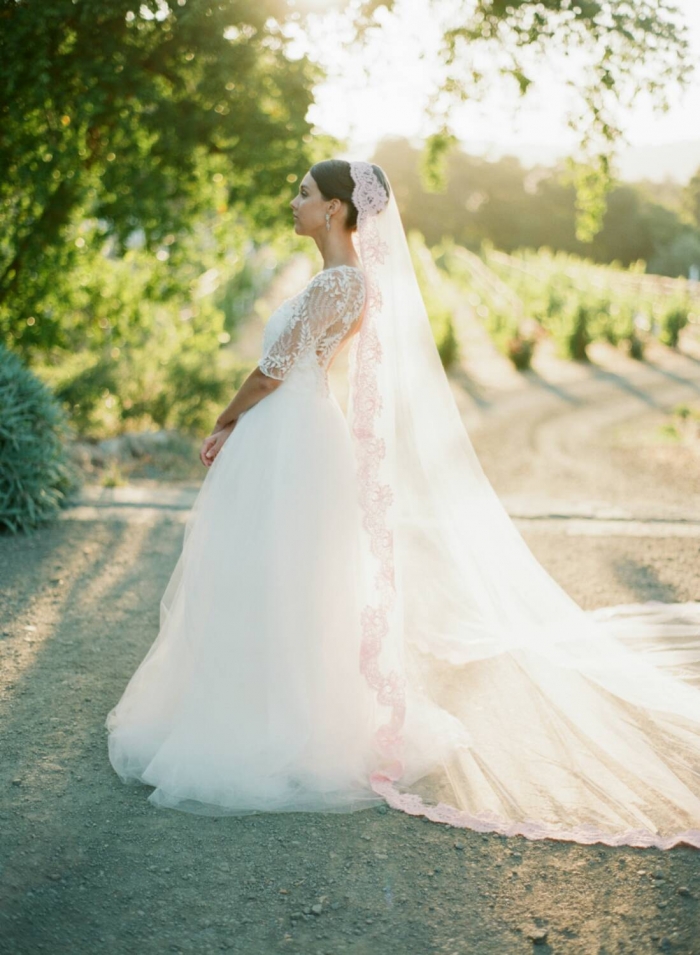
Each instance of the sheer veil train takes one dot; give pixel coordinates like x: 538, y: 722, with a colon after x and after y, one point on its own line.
x: 501, y: 704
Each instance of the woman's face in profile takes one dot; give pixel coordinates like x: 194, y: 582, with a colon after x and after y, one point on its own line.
x: 308, y: 207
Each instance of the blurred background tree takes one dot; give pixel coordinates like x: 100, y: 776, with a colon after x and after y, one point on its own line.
x: 122, y: 120
x: 514, y: 207
x: 614, y: 52
x: 692, y: 199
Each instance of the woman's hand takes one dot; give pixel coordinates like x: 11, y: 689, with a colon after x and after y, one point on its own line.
x: 213, y: 443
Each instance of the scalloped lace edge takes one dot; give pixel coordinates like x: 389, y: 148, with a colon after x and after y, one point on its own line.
x: 487, y: 821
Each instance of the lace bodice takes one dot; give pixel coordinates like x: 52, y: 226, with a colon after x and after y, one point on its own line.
x: 306, y: 331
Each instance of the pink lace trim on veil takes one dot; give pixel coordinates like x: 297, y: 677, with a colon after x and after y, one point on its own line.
x: 375, y: 499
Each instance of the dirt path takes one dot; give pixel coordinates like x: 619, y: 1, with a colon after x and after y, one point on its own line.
x: 89, y: 866
x: 583, y: 433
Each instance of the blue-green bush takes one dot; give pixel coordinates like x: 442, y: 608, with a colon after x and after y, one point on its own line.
x: 37, y: 474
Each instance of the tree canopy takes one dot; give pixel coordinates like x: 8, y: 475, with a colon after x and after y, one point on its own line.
x: 516, y: 208
x: 135, y: 117
x: 613, y: 51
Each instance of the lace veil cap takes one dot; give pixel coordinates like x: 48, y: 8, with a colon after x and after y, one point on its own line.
x: 456, y: 605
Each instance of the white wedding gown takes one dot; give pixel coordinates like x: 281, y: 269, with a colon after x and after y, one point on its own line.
x: 251, y: 698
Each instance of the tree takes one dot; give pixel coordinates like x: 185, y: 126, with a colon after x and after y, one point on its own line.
x: 135, y: 118
x: 618, y: 49
x: 516, y: 208
x: 692, y: 199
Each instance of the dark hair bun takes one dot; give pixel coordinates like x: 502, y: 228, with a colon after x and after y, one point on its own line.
x: 333, y: 178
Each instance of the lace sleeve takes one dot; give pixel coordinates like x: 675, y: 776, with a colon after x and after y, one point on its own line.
x: 320, y: 319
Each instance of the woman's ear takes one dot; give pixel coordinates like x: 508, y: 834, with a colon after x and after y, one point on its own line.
x: 340, y: 208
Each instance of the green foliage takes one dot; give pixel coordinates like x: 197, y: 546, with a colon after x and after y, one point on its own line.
x: 622, y: 307
x: 574, y: 334
x: 668, y: 430
x: 618, y: 52
x: 673, y: 321
x: 236, y: 296
x: 491, y: 302
x: 520, y: 351
x: 113, y: 476
x: 121, y: 122
x: 683, y: 424
x: 139, y: 353
x: 439, y: 312
x: 685, y: 411
x: 636, y: 346
x: 37, y: 475
x: 148, y: 363
x: 147, y: 388
x: 433, y: 163
x: 445, y: 337
x: 152, y: 358
x: 143, y: 340
x: 592, y: 183
x: 589, y: 315
x: 505, y: 331
x: 691, y: 199
x: 517, y: 208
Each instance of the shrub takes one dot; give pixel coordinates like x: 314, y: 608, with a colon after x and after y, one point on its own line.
x: 520, y: 351
x: 573, y: 334
x: 673, y: 321
x: 37, y: 473
x: 683, y: 411
x: 445, y: 337
x: 636, y: 346
x: 145, y: 389
x: 439, y: 313
x: 173, y: 373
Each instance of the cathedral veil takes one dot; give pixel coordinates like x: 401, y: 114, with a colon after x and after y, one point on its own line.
x: 502, y: 705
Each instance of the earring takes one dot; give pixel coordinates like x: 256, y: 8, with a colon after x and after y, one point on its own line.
x: 328, y: 222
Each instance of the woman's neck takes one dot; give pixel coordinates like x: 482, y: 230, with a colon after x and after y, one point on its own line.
x: 337, y: 250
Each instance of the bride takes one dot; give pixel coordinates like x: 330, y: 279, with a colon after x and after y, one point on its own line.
x: 355, y: 619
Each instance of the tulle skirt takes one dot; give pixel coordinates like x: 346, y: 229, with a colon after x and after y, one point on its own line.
x: 250, y: 698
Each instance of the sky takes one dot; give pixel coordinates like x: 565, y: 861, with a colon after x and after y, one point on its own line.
x: 390, y: 98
